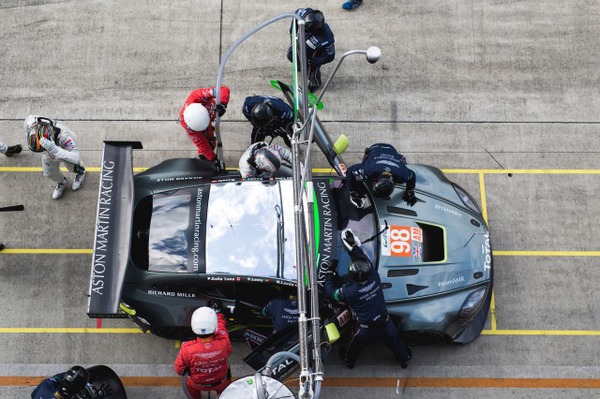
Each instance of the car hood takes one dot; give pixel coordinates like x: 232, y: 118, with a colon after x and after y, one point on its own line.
x: 431, y: 248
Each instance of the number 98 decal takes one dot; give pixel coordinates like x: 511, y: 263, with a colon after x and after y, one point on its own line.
x: 402, y: 241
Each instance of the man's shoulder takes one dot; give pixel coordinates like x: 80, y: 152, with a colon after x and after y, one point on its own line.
x: 189, y: 343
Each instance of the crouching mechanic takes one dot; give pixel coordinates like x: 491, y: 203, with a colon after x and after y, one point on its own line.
x: 270, y: 116
x: 71, y: 384
x: 362, y: 292
x: 57, y: 144
x: 283, y: 312
x: 263, y: 160
x: 205, y: 358
x: 381, y: 168
x: 197, y: 116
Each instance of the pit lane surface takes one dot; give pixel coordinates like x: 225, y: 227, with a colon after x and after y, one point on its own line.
x: 479, y: 89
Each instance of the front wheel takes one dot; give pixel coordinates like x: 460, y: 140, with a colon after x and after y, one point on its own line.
x: 423, y: 337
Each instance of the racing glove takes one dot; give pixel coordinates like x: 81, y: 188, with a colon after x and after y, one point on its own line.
x: 215, y: 305
x: 329, y: 267
x: 221, y: 108
x: 350, y: 239
x: 217, y: 165
x: 357, y: 199
x: 49, y: 146
x: 103, y: 391
x: 409, y: 197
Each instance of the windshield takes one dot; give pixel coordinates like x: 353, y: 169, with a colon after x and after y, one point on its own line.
x: 244, y: 228
x: 247, y: 228
x: 250, y: 229
x: 176, y: 231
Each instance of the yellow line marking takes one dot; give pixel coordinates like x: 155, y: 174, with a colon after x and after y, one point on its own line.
x: 525, y: 171
x: 541, y: 332
x: 332, y: 171
x: 48, y: 251
x: 69, y: 330
x: 493, y: 314
x: 483, y: 200
x: 39, y: 169
x: 546, y: 253
x: 124, y: 330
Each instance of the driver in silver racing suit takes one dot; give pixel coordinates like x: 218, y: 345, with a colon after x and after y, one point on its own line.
x: 57, y: 144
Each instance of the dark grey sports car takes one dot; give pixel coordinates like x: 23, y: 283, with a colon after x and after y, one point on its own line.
x: 178, y: 235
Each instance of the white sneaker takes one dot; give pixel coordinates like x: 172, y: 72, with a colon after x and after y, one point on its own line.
x: 78, y: 182
x: 60, y: 187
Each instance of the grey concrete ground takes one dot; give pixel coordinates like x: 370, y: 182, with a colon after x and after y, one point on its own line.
x: 467, y: 86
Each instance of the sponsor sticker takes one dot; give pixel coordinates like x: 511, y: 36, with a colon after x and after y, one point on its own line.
x: 399, y: 240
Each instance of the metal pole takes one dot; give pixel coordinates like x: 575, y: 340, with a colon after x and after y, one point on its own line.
x: 222, y: 67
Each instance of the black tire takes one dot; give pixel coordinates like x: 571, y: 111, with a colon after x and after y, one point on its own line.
x: 174, y: 332
x: 418, y: 338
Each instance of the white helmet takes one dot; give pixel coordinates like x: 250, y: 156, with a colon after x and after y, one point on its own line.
x: 204, y: 321
x: 196, y: 117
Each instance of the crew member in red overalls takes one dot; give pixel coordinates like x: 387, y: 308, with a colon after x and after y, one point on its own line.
x: 206, y: 357
x: 197, y: 116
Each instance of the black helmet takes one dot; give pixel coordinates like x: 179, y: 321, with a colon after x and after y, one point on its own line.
x: 73, y: 381
x: 314, y: 21
x: 261, y: 114
x: 383, y: 186
x: 359, y: 270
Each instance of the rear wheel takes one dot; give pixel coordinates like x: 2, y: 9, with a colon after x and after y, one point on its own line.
x: 174, y: 332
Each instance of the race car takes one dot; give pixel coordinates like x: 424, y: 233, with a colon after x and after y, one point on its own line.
x: 180, y: 234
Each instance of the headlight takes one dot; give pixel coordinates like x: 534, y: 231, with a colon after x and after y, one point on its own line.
x: 466, y: 199
x: 472, y: 303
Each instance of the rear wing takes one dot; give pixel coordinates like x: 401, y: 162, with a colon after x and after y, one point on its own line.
x: 113, y: 229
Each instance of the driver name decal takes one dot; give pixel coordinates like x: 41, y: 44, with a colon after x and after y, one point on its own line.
x: 403, y: 241
x: 172, y: 294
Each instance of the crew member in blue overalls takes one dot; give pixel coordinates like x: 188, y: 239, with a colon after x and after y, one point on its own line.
x: 283, y: 311
x: 361, y: 290
x: 71, y: 384
x: 270, y: 116
x: 320, y: 45
x: 381, y: 168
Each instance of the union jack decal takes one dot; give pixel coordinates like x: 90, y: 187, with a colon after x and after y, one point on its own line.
x: 417, y: 251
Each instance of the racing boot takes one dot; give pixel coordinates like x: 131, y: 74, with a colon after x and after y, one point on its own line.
x: 342, y: 353
x: 13, y: 149
x: 78, y: 181
x: 313, y: 84
x: 60, y: 188
x: 404, y: 363
x: 1, y: 246
x: 351, y: 5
